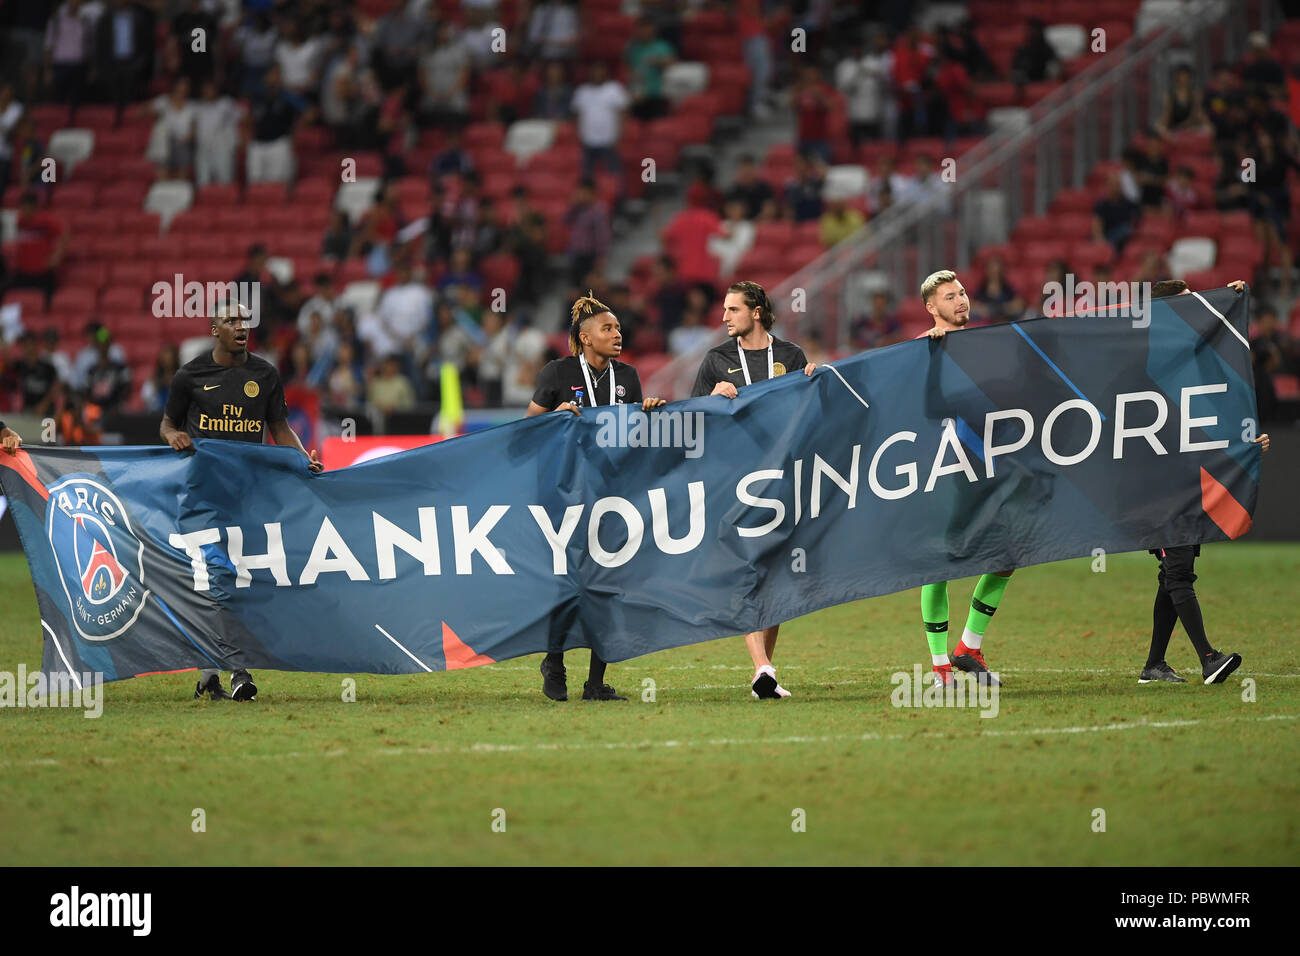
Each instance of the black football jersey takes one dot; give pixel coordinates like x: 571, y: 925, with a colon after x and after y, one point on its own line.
x: 234, y: 402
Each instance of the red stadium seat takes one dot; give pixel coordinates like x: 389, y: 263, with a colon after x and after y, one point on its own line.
x: 30, y: 301
x: 500, y: 270
x: 123, y: 194
x: 217, y: 194
x: 120, y: 298
x: 74, y: 195
x: 75, y: 299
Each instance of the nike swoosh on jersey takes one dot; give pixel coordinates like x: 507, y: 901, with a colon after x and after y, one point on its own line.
x: 207, y: 388
x: 730, y: 370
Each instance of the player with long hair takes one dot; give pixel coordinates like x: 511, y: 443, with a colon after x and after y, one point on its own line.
x: 590, y: 377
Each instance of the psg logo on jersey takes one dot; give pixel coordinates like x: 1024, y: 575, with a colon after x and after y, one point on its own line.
x: 99, y: 557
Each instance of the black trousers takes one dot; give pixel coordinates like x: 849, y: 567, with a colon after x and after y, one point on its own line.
x: 1177, y: 574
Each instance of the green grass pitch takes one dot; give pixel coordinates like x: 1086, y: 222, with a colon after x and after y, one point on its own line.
x: 416, y: 770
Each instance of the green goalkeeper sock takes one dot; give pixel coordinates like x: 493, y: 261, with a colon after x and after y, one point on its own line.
x: 988, y: 594
x: 934, y: 614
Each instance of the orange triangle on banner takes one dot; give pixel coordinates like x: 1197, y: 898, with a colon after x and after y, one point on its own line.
x: 1223, y: 509
x: 22, y: 463
x: 458, y: 653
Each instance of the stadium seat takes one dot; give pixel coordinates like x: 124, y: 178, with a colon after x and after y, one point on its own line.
x: 355, y: 198
x: 1012, y: 118
x: 123, y: 194
x: 70, y: 146
x: 361, y: 296
x: 526, y: 138
x: 29, y: 301
x: 169, y: 197
x: 1155, y: 14
x: 844, y: 182
x: 1068, y: 40
x: 683, y: 79
x: 121, y: 298
x: 1191, y: 254
x: 74, y: 196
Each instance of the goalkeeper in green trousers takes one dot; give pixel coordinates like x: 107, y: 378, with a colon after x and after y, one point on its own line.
x: 948, y: 303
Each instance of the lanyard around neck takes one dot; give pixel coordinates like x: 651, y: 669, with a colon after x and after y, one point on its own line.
x: 744, y: 365
x: 591, y: 388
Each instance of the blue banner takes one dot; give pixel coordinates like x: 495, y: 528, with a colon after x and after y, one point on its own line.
x: 993, y: 448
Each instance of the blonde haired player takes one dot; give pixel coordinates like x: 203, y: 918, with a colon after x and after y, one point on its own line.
x: 948, y: 304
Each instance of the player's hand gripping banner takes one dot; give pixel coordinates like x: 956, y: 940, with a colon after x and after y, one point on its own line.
x: 991, y: 449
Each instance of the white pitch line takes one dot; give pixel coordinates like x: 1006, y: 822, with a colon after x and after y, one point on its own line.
x: 427, y: 668
x: 885, y: 667
x: 50, y: 631
x: 1231, y: 328
x: 489, y: 748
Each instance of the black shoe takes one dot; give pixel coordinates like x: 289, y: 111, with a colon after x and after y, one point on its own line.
x: 973, y: 665
x: 1218, y: 666
x: 592, y: 691
x: 554, y: 684
x: 242, y: 687
x: 212, y: 688
x: 1160, y: 672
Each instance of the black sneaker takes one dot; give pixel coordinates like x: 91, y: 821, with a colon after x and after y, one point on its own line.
x: 1160, y: 672
x: 242, y: 687
x: 554, y: 684
x: 212, y: 688
x: 592, y: 691
x: 972, y: 664
x: 1218, y: 666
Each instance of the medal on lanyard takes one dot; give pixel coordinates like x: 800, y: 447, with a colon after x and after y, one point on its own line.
x: 591, y: 388
x: 744, y: 365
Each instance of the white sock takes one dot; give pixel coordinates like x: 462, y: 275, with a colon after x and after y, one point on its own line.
x: 971, y: 639
x: 765, y: 669
x: 939, y: 660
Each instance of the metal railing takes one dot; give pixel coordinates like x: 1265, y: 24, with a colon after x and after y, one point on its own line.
x: 1010, y: 173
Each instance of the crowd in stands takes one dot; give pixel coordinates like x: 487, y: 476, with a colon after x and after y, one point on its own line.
x: 419, y: 95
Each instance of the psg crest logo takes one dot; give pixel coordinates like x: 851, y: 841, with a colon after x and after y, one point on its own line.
x: 99, y: 557
x: 620, y: 391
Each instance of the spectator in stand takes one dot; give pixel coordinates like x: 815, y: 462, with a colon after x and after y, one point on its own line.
x: 89, y: 354
x: 513, y: 100
x: 903, y: 187
x: 216, y: 135
x: 1267, y: 350
x: 273, y: 117
x: 479, y: 36
x: 1036, y: 61
x: 813, y: 102
x: 884, y: 199
x: 525, y: 239
x: 377, y: 231
x: 296, y: 367
x: 11, y: 112
x: 256, y: 41
x: 957, y: 100
x: 401, y: 317
x: 198, y: 66
x: 121, y: 42
x: 755, y: 193
x: 695, y: 334
x: 1220, y: 101
x: 1151, y: 267
x: 803, y: 194
x: 879, y: 327
x: 735, y: 237
x: 298, y: 58
x: 929, y: 182
x: 687, y: 235
x: 351, y: 100
x: 1182, y: 110
x: 1113, y: 217
x: 647, y: 56
x: 600, y: 103
x: 51, y: 352
x: 638, y: 331
x: 553, y: 31
x: 34, y: 378
x: 69, y: 41
x: 456, y: 344
x: 396, y: 42
x: 669, y: 296
x: 964, y: 46
x: 1181, y: 194
x: 1261, y: 72
x: 337, y: 243
x: 177, y: 115
x: 1130, y: 159
x: 485, y: 235
x: 864, y: 79
x: 702, y: 192
x: 590, y: 232
x: 839, y: 221
x: 757, y: 47
x: 108, y: 381
x: 29, y: 152
x: 460, y: 273
x: 912, y: 57
x: 389, y: 390
x: 554, y: 100
x: 444, y: 76
x: 153, y: 394
x: 525, y: 354
x: 1152, y: 171
x: 1270, y: 203
x: 453, y: 159
x: 996, y: 300
x: 324, y: 302
x: 42, y: 242
x: 344, y: 387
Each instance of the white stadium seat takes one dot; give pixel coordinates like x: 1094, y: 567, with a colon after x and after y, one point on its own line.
x: 167, y: 198
x: 844, y: 182
x: 526, y: 138
x: 1154, y: 14
x: 1014, y: 118
x: 1192, y: 254
x: 355, y: 198
x: 281, y: 268
x: 1067, y: 40
x: 361, y: 296
x: 685, y: 79
x: 70, y: 146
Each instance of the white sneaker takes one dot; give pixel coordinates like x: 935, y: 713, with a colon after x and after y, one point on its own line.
x: 765, y: 686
